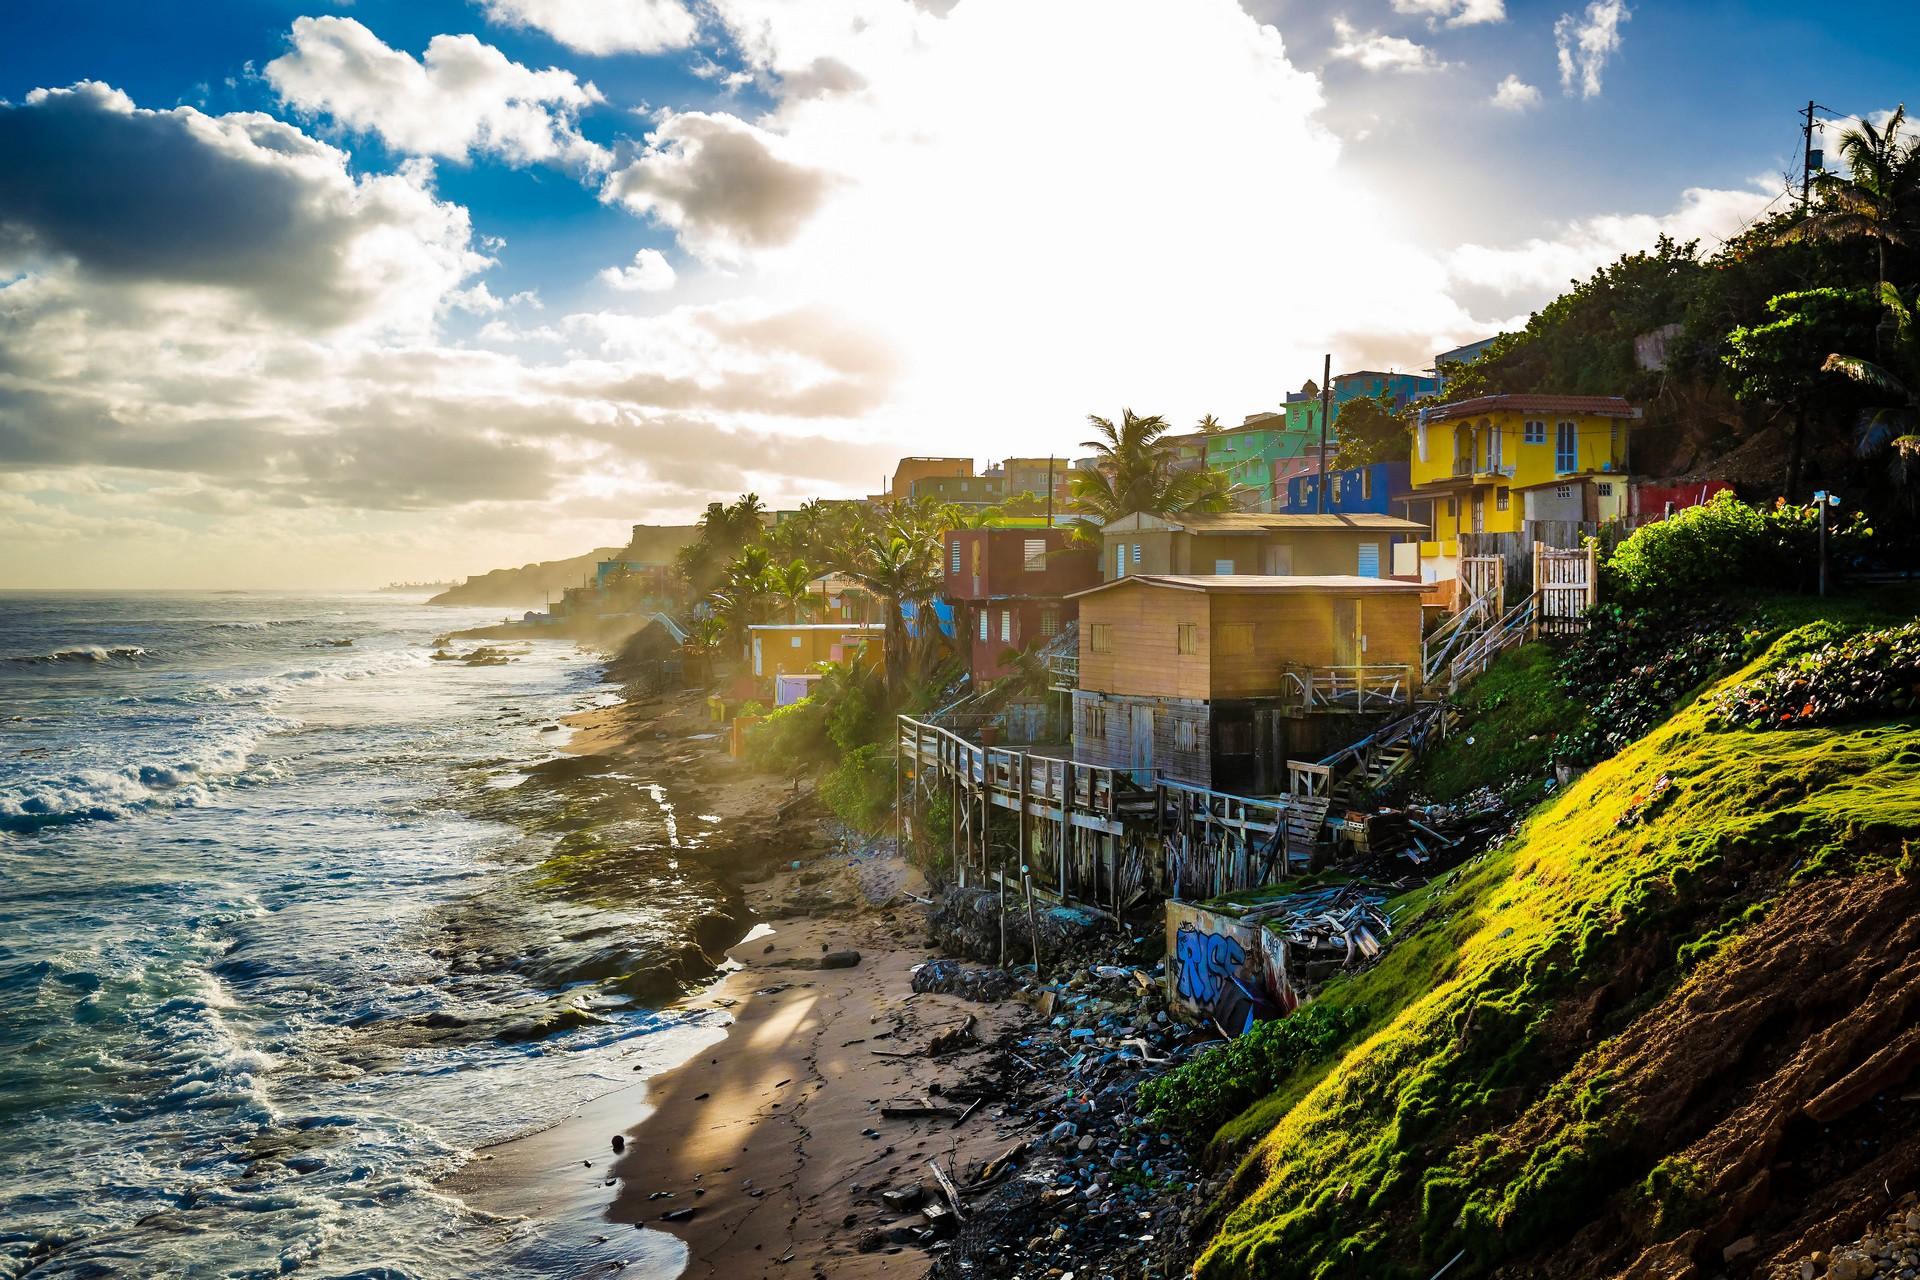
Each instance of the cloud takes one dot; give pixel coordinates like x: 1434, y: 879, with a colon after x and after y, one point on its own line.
x: 242, y: 206
x: 603, y: 27
x: 463, y: 98
x: 1515, y: 94
x: 1579, y: 248
x: 1377, y: 52
x: 1585, y: 44
x: 726, y: 187
x: 650, y: 273
x: 1455, y: 13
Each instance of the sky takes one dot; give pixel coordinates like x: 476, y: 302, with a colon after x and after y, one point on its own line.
x: 312, y: 295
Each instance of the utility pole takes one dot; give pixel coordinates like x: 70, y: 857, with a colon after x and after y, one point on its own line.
x: 1810, y: 159
x: 1326, y: 412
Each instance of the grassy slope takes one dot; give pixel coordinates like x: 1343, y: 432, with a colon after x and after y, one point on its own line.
x: 1389, y: 1160
x: 1511, y: 714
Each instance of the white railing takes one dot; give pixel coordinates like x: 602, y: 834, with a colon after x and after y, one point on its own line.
x: 1491, y: 643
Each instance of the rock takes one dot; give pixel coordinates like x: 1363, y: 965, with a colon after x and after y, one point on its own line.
x: 871, y: 1241
x: 949, y: 977
x: 838, y: 960
x: 679, y: 1215
x: 1739, y: 1248
x: 619, y: 1144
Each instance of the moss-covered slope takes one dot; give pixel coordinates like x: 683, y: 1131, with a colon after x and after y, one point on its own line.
x: 1597, y: 1055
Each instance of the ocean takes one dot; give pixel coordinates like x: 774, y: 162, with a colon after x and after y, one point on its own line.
x: 282, y: 945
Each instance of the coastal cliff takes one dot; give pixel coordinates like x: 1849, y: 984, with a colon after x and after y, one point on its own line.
x: 528, y: 586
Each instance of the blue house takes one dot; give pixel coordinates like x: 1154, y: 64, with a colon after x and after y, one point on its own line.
x: 1368, y: 490
x: 1401, y: 389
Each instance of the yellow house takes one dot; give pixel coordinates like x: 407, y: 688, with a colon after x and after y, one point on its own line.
x: 1493, y: 464
x: 792, y: 648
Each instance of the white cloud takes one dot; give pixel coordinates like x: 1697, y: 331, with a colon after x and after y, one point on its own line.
x: 1545, y: 265
x: 1585, y: 44
x: 725, y: 186
x: 463, y: 98
x: 1455, y: 13
x: 650, y: 273
x: 1515, y: 94
x: 1377, y: 52
x: 603, y: 26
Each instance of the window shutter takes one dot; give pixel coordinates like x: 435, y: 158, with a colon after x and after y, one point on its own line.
x: 1036, y: 554
x: 1369, y: 559
x: 956, y: 556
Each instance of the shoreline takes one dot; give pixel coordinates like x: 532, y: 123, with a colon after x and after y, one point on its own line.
x: 764, y: 1150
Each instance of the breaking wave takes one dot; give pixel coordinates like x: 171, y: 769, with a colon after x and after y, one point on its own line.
x: 85, y: 653
x: 104, y: 794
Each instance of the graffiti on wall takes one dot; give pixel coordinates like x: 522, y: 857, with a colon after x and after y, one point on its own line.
x: 1205, y: 963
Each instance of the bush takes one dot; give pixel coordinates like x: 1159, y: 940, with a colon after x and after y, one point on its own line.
x: 1209, y: 1091
x: 788, y: 737
x: 1864, y: 677
x: 859, y: 789
x: 1630, y: 666
x: 1724, y: 545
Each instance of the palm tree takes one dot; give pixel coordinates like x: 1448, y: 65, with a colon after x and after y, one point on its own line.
x: 1208, y: 427
x: 791, y: 587
x: 1136, y: 471
x: 899, y: 563
x: 1893, y: 427
x: 1880, y: 196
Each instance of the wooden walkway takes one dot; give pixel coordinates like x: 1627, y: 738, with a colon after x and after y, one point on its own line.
x: 1090, y: 834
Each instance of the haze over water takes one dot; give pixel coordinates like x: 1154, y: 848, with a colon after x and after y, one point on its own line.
x: 242, y: 1026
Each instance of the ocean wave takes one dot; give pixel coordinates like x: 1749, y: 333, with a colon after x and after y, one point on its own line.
x: 105, y: 794
x: 84, y: 653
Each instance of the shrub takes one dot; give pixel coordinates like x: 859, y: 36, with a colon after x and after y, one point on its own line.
x: 1725, y: 545
x: 1863, y: 677
x: 1630, y: 666
x: 1207, y: 1092
x: 859, y: 789
x: 789, y: 737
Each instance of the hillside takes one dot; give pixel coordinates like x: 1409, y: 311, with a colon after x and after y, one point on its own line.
x: 1669, y: 1028
x: 527, y: 587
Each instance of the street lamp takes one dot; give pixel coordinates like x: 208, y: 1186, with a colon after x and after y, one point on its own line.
x: 1822, y: 499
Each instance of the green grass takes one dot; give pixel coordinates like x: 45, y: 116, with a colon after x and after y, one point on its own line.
x: 1512, y: 713
x: 1377, y: 1162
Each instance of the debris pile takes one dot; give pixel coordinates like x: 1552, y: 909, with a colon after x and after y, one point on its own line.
x: 1337, y: 927
x: 950, y: 977
x: 1425, y: 834
x: 970, y: 922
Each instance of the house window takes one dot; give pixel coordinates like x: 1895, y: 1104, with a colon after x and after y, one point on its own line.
x: 1036, y: 554
x: 1535, y: 433
x: 1186, y: 638
x: 1232, y: 638
x: 1565, y: 449
x: 1223, y: 568
x: 1136, y: 553
x: 1366, y: 485
x: 956, y: 557
x: 1494, y: 438
x: 1186, y: 735
x: 1500, y: 500
x: 1605, y: 488
x: 1119, y: 559
x: 1096, y: 722
x: 1453, y: 508
x: 1369, y: 565
x: 1563, y: 491
x: 1006, y: 626
x: 983, y: 624
x: 1337, y: 487
x: 1049, y: 623
x: 1100, y: 637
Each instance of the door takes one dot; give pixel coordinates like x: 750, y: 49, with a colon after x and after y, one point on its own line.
x: 1346, y: 632
x: 1479, y: 512
x: 756, y: 657
x: 1279, y: 561
x: 1141, y: 739
x: 1119, y: 559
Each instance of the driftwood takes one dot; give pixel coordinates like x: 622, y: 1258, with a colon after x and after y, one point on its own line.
x: 952, y: 1038
x: 995, y: 1169
x: 948, y: 1189
x: 921, y: 1108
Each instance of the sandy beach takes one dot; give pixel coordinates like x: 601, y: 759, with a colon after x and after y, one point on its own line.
x: 772, y: 1135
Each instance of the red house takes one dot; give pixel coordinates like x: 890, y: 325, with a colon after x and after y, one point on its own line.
x: 1009, y: 588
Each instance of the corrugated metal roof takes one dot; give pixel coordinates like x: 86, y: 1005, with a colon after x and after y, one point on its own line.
x: 1605, y: 406
x: 1257, y: 584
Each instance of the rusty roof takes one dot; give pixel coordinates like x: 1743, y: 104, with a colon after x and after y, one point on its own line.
x: 1275, y: 522
x: 1599, y: 406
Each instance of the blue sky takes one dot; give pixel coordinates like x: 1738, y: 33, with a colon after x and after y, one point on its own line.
x: 404, y: 329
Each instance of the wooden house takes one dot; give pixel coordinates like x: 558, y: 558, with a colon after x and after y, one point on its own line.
x: 793, y: 648
x: 1220, y: 680
x: 1013, y: 586
x: 1251, y: 542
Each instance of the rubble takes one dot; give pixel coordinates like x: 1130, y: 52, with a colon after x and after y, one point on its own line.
x: 950, y: 977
